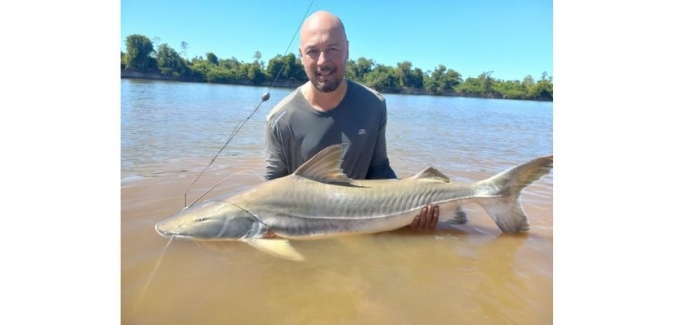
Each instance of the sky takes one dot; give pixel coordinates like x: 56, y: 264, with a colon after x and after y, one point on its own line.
x: 512, y: 39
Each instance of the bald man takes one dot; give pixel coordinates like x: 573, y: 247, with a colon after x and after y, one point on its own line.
x: 330, y: 109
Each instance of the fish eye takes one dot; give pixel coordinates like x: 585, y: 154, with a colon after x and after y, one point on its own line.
x: 201, y: 219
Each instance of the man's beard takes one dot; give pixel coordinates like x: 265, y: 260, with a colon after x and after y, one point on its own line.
x: 329, y: 86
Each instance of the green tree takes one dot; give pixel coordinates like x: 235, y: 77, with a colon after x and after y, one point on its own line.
x: 199, y: 69
x: 258, y: 59
x: 486, y: 82
x: 169, y: 61
x: 471, y: 86
x: 435, y: 81
x: 356, y: 70
x: 350, y: 70
x: 383, y: 78
x: 141, y: 56
x: 408, y: 77
x: 275, y: 67
x: 528, y: 81
x: 442, y: 80
x: 235, y: 68
x: 298, y: 71
x: 452, y: 79
x: 210, y: 57
x: 220, y: 75
x: 542, y: 89
x: 512, y: 89
x: 287, y: 67
x: 138, y: 51
x: 255, y: 73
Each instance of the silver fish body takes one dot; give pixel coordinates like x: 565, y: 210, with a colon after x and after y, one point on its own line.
x: 319, y: 201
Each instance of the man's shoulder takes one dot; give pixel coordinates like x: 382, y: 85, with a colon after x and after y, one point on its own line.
x: 282, y: 106
x: 363, y: 90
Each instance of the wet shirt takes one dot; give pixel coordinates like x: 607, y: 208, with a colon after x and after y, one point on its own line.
x: 295, y: 132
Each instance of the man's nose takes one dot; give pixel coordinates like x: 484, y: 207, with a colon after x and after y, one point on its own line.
x: 322, y: 58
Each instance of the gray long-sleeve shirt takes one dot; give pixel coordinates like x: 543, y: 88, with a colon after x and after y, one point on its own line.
x: 295, y: 132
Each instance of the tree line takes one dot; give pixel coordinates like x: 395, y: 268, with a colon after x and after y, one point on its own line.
x: 142, y: 56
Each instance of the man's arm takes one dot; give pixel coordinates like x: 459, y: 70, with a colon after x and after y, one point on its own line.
x: 381, y: 171
x: 275, y: 159
x: 379, y: 166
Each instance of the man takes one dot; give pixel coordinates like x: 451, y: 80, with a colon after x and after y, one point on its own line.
x: 330, y: 109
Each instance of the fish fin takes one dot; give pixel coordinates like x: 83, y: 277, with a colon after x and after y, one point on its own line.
x: 457, y: 216
x: 277, y: 247
x: 325, y: 166
x: 505, y: 209
x: 432, y: 173
x: 507, y: 214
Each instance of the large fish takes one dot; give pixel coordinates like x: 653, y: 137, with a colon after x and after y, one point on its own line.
x: 319, y: 201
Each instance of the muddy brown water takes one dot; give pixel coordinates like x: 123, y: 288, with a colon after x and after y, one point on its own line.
x: 459, y: 274
x: 468, y: 273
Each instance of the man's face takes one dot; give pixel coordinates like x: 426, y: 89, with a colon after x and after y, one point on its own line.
x: 324, y: 51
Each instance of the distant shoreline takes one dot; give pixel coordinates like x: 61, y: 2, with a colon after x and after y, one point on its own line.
x: 130, y: 74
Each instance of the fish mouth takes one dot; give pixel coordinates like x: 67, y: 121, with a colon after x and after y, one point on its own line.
x: 176, y: 233
x: 167, y: 234
x: 164, y: 233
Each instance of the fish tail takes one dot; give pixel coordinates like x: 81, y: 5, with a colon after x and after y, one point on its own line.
x: 504, y: 206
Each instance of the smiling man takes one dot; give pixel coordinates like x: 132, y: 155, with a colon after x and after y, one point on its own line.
x: 330, y: 109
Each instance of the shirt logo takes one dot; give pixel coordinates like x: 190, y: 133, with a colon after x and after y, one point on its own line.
x: 361, y: 132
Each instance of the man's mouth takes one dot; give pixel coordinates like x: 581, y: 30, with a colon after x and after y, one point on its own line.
x: 325, y: 73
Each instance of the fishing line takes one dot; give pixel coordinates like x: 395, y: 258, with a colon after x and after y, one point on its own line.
x: 241, y: 123
x: 236, y: 129
x: 216, y: 185
x: 142, y: 293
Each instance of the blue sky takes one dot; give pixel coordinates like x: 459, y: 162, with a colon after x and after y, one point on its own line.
x: 511, y: 38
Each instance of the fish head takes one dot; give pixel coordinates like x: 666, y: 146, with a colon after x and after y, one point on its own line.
x: 211, y: 220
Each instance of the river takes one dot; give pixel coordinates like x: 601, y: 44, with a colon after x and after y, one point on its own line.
x: 461, y: 274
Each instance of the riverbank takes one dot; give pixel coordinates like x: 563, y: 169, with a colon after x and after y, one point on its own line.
x: 130, y: 74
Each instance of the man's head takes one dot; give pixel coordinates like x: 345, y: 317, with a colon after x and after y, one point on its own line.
x: 324, y: 50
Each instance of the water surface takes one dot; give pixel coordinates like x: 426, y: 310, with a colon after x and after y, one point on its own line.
x: 463, y: 274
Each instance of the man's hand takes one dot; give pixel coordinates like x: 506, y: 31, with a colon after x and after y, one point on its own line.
x: 427, y: 219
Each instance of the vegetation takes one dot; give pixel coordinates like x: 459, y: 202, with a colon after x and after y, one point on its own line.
x: 141, y: 56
